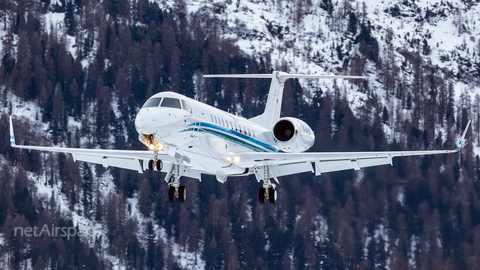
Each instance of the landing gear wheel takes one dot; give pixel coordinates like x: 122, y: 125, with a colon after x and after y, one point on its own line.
x: 159, y: 165
x: 272, y: 195
x: 182, y: 194
x: 151, y: 165
x: 171, y: 194
x: 261, y: 195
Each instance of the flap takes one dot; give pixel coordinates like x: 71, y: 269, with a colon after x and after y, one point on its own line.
x: 324, y: 166
x: 106, y: 161
x: 289, y: 169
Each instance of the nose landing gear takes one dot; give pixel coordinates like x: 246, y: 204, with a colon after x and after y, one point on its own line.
x: 155, y: 163
x: 152, y: 165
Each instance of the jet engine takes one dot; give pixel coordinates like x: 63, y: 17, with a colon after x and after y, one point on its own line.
x: 293, y: 135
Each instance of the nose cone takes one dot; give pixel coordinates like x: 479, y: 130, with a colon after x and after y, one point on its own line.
x: 156, y: 120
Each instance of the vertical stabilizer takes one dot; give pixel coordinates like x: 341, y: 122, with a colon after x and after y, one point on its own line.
x: 274, y: 102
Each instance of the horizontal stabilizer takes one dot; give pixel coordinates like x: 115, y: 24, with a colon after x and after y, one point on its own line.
x: 264, y: 76
x: 282, y: 75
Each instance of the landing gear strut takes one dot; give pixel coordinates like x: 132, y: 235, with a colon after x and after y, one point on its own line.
x: 268, y: 191
x: 174, y: 189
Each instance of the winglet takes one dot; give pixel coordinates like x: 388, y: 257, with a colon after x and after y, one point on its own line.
x: 12, y: 136
x: 459, y: 145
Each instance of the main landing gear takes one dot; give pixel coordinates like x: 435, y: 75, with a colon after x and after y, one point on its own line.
x: 268, y: 191
x: 269, y: 194
x: 174, y: 189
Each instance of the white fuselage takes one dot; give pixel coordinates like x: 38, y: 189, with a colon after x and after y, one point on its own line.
x: 209, y: 137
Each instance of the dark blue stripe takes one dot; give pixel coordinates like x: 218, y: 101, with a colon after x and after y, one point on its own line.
x: 238, y: 134
x: 228, y: 137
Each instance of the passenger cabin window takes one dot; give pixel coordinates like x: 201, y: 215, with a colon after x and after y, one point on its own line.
x: 153, y: 102
x: 171, y: 103
x: 186, y: 107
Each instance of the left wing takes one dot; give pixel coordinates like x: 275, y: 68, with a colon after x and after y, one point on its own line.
x: 292, y: 163
x: 126, y: 159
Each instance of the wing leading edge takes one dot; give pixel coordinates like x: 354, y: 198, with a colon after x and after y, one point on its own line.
x: 332, y: 161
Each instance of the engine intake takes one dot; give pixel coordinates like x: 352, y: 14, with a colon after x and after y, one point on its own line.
x: 283, y: 130
x: 293, y: 135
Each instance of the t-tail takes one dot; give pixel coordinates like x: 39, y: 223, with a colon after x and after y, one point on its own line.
x: 274, y: 101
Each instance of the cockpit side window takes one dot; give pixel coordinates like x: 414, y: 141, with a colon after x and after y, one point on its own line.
x: 153, y: 102
x: 186, y: 107
x: 171, y: 103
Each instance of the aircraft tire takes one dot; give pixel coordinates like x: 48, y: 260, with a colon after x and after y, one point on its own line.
x: 182, y: 194
x: 171, y: 194
x: 261, y: 195
x: 151, y: 165
x: 272, y: 195
x: 159, y: 165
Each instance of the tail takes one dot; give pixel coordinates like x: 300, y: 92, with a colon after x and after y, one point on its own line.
x: 274, y: 101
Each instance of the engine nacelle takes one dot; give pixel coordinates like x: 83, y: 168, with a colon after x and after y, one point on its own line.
x: 293, y: 135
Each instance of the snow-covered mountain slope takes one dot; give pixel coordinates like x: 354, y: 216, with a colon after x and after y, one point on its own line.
x: 298, y: 33
x: 309, y: 37
x: 306, y: 37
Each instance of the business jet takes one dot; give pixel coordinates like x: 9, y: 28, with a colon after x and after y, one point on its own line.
x: 188, y: 138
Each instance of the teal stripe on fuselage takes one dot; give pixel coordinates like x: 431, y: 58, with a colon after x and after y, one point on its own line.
x: 232, y: 136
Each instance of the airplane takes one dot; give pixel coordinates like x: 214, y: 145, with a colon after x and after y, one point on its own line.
x: 188, y: 138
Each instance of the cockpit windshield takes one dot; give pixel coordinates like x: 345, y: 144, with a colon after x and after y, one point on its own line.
x: 153, y: 102
x: 171, y: 103
x: 186, y: 107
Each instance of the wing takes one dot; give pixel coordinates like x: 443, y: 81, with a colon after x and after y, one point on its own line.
x: 291, y: 163
x: 126, y: 159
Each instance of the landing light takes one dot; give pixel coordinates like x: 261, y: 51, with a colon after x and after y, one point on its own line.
x: 159, y: 147
x: 236, y: 159
x: 151, y: 146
